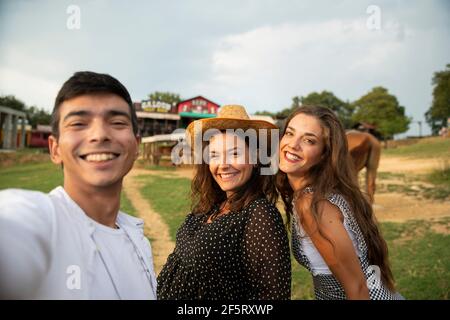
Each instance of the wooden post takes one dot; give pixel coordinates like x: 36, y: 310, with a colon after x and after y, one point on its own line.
x: 23, y: 134
x: 14, y: 132
x: 7, y: 132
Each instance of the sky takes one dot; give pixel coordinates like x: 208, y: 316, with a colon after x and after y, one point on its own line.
x: 259, y: 54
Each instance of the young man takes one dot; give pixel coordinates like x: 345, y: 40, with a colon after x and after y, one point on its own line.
x: 74, y: 243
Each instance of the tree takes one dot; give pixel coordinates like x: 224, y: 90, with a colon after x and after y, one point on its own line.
x: 327, y: 99
x: 439, y: 111
x: 35, y: 115
x: 265, y: 113
x: 382, y: 109
x: 167, y: 97
x: 283, y: 114
x: 12, y: 102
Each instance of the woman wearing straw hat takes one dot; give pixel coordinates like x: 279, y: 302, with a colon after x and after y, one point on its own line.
x: 233, y: 245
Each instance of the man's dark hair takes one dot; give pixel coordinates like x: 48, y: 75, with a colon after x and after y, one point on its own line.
x: 87, y: 82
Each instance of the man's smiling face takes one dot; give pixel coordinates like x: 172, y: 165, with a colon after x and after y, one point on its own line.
x: 96, y: 143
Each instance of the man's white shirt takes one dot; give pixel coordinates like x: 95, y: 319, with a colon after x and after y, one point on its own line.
x: 50, y: 249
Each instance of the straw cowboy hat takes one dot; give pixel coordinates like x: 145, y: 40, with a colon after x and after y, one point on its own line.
x: 229, y: 117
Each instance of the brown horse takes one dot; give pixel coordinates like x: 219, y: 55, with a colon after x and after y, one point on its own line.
x: 365, y: 151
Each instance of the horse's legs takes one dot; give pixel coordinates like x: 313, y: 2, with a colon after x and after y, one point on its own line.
x: 371, y: 175
x: 373, y: 161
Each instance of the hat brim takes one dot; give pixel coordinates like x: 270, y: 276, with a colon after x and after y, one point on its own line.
x: 226, y: 123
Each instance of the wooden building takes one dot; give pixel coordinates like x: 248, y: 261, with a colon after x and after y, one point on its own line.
x: 196, y: 108
x: 11, y: 136
x: 155, y: 118
x: 39, y: 136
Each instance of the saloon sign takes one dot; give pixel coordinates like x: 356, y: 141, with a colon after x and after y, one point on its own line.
x: 155, y: 106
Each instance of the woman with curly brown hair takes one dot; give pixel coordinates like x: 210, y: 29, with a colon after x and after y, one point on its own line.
x: 334, y: 231
x: 233, y: 245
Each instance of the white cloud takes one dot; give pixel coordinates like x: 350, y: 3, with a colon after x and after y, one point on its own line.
x: 32, y: 90
x: 278, y: 62
x: 258, y: 53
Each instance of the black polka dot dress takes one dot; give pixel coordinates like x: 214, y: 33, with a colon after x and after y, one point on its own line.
x: 326, y: 286
x: 239, y: 255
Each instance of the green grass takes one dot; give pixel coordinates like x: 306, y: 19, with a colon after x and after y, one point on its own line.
x: 420, y: 261
x: 390, y: 175
x: 420, y: 258
x: 145, y: 165
x: 441, y: 178
x: 400, y: 188
x: 440, y: 192
x: 126, y: 206
x: 169, y: 197
x: 25, y: 151
x: 44, y: 177
x: 418, y: 185
x: 23, y: 156
x: 425, y: 148
x: 419, y: 255
x: 302, y: 287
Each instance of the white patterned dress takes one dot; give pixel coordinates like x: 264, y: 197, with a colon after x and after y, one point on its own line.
x: 326, y: 286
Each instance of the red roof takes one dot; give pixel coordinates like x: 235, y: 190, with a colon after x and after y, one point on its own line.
x: 199, y: 97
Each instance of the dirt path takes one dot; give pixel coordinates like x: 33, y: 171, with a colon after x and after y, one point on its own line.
x: 398, y: 207
x: 154, y: 227
x: 407, y: 165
